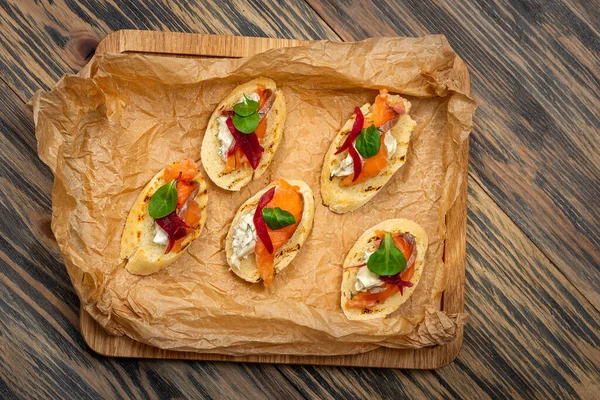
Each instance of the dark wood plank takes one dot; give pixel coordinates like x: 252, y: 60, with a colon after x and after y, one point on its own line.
x: 536, y: 77
x: 40, y: 42
x: 43, y: 333
x: 529, y: 336
x: 42, y: 353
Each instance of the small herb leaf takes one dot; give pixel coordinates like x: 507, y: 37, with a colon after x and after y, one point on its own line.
x: 368, y: 142
x: 246, y: 108
x: 388, y: 260
x: 246, y: 124
x: 164, y: 200
x: 276, y: 218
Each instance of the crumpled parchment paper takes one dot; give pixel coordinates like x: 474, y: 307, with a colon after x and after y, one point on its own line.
x: 107, y: 131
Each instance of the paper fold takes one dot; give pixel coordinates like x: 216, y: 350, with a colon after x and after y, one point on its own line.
x: 106, y: 132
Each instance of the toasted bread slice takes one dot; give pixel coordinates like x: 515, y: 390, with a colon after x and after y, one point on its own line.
x: 366, y: 242
x: 342, y: 199
x: 142, y: 255
x: 247, y: 266
x: 214, y: 164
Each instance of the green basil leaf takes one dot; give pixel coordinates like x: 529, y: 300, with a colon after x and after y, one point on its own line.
x: 164, y: 200
x: 276, y: 218
x: 368, y: 142
x: 246, y: 108
x: 246, y: 124
x: 388, y: 260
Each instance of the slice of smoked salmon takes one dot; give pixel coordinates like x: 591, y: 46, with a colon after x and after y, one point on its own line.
x: 382, y: 112
x: 371, y: 166
x: 261, y: 129
x: 407, y: 250
x: 183, y: 192
x: 186, y: 166
x: 235, y: 161
x: 369, y: 300
x: 287, y: 198
x: 261, y: 91
x: 192, y: 216
x: 188, y: 170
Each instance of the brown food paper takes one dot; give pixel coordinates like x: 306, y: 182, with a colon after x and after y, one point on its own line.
x: 106, y: 132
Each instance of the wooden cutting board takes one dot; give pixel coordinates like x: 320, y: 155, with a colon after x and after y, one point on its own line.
x: 196, y: 45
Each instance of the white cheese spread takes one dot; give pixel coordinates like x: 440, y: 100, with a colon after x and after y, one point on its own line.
x: 252, y: 96
x: 161, y: 236
x: 365, y: 279
x: 390, y: 143
x: 345, y: 168
x: 224, y: 137
x: 244, y: 239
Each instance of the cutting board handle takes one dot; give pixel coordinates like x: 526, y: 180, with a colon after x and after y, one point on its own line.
x: 189, y: 44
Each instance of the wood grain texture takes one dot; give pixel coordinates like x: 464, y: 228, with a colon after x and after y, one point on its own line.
x: 41, y: 351
x: 42, y: 41
x: 535, y: 71
x: 187, y: 44
x: 530, y: 335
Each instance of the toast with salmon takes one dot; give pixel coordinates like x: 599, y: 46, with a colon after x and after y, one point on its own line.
x: 167, y: 216
x: 244, y: 133
x: 269, y: 229
x: 366, y: 152
x: 382, y: 269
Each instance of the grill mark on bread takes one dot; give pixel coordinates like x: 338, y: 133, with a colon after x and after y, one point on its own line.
x: 237, y: 180
x: 289, y: 250
x: 247, y: 207
x: 371, y: 189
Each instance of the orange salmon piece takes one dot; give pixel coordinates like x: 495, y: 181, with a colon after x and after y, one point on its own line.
x: 192, y: 216
x: 368, y: 300
x: 186, y: 166
x: 261, y: 129
x: 287, y: 198
x: 382, y: 112
x: 372, y: 166
x: 235, y: 160
x: 260, y: 90
x: 407, y: 250
x: 188, y: 169
x: 183, y: 192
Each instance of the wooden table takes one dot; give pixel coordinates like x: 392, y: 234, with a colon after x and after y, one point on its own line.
x: 533, y: 240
